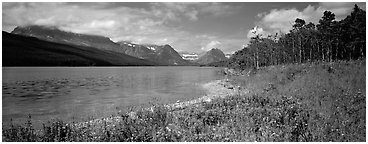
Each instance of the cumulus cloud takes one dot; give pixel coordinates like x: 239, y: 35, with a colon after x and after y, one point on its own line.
x: 113, y: 23
x: 257, y: 31
x: 120, y: 22
x: 281, y: 20
x: 211, y: 45
x: 173, y: 11
x: 217, y: 9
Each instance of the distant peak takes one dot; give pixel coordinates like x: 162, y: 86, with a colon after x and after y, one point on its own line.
x: 215, y: 50
x: 167, y: 46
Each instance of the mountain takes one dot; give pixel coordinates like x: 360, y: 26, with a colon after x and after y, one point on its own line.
x: 138, y: 51
x: 161, y: 54
x: 166, y: 54
x: 214, y: 55
x: 30, y: 51
x: 53, y: 34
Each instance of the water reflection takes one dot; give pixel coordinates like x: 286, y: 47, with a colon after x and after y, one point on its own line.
x: 77, y: 93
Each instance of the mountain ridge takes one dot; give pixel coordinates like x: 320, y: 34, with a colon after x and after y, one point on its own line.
x: 159, y: 54
x: 211, y: 56
x: 54, y: 34
x: 19, y: 50
x: 162, y: 54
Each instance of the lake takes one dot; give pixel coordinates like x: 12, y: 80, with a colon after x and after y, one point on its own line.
x: 82, y: 93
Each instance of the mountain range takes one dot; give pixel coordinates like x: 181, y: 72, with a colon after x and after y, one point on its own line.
x: 54, y: 34
x: 21, y: 50
x: 56, y: 42
x: 162, y: 54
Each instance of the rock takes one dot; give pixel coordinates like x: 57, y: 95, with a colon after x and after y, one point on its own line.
x: 133, y: 115
x: 208, y: 100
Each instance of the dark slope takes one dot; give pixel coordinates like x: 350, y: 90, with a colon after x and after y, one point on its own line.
x: 212, y: 56
x: 53, y: 34
x: 29, y: 51
x: 163, y: 55
x: 138, y: 51
x: 166, y: 54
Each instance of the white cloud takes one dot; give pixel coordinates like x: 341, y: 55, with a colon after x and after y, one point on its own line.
x: 176, y: 10
x: 45, y: 21
x: 192, y: 15
x: 211, y: 45
x: 281, y: 20
x: 217, y: 9
x: 138, y: 25
x: 257, y: 31
x: 104, y: 24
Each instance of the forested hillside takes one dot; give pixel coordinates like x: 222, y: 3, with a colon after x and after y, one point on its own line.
x: 329, y: 40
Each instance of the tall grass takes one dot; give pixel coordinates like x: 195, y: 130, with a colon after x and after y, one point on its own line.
x: 309, y: 102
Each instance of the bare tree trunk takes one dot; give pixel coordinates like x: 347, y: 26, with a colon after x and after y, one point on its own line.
x: 257, y: 59
x: 300, y: 50
x: 294, y: 56
x: 331, y: 52
x: 353, y: 52
x: 337, y: 51
x: 271, y: 63
x: 323, y: 54
x: 310, y: 52
x: 362, y: 51
x: 350, y: 53
x: 318, y: 51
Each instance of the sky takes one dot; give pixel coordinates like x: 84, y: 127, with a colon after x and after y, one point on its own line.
x: 186, y: 26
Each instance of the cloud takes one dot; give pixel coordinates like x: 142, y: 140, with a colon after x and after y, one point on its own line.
x: 175, y: 11
x: 150, y: 24
x: 46, y: 21
x: 211, y: 45
x: 218, y: 9
x: 257, y: 31
x: 192, y: 15
x: 281, y: 20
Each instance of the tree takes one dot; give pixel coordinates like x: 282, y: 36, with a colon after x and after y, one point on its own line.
x: 354, y: 32
x: 326, y: 30
x: 298, y: 29
x: 329, y: 40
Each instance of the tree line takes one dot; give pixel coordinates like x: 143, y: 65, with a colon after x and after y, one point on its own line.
x: 329, y: 40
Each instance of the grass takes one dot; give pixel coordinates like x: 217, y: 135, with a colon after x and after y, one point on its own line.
x: 308, y: 102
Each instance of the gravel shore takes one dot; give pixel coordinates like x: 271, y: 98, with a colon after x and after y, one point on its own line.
x: 215, y: 89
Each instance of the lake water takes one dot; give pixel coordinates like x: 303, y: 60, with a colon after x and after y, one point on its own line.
x: 81, y: 93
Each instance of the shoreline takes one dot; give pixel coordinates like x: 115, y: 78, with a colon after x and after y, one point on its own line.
x: 214, y: 89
